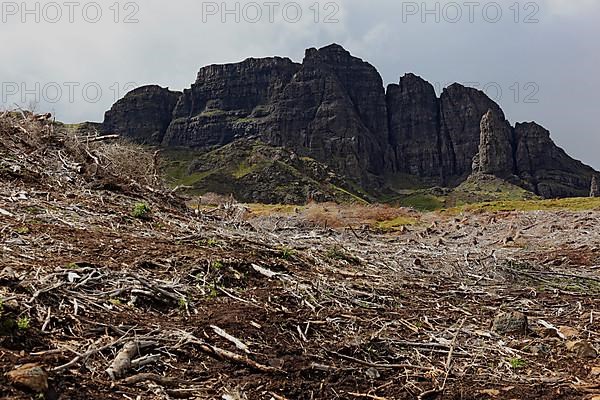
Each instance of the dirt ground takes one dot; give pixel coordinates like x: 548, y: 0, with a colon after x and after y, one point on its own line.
x: 219, y: 306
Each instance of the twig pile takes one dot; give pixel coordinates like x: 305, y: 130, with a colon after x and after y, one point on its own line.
x: 178, y: 305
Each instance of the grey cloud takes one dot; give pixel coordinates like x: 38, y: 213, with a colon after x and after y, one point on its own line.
x: 170, y: 43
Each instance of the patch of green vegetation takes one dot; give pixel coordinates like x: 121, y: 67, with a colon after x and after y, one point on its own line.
x: 244, y: 169
x: 192, y: 179
x: 287, y: 253
x: 72, y: 266
x: 211, y: 113
x: 396, y: 224
x: 422, y: 202
x: 23, y: 323
x: 478, y: 189
x: 571, y: 204
x: 517, y: 363
x: 115, y: 302
x: 339, y: 253
x: 214, y: 292
x: 351, y: 197
x: 141, y: 211
x: 23, y: 230
x: 212, y: 242
x: 246, y: 120
x: 217, y: 265
x: 183, y: 304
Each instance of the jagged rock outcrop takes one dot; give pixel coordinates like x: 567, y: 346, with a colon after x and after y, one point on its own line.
x: 595, y: 186
x: 546, y: 167
x: 143, y: 115
x: 496, y: 146
x: 414, y: 121
x: 333, y: 108
x: 227, y: 101
x: 461, y: 111
x: 526, y: 156
x: 433, y: 138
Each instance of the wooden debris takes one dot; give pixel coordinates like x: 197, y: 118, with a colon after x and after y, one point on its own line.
x: 122, y: 361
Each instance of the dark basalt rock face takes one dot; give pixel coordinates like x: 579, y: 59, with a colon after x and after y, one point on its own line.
x: 595, y: 186
x: 227, y: 101
x: 436, y: 138
x: 496, y: 146
x: 414, y: 120
x: 143, y: 115
x: 461, y: 111
x: 526, y: 156
x: 546, y: 167
x: 333, y: 108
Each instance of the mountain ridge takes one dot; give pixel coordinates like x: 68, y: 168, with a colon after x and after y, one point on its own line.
x: 335, y: 108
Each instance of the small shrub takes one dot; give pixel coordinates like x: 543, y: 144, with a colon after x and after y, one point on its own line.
x: 23, y: 230
x: 517, y: 363
x: 183, y: 304
x: 141, y: 211
x: 23, y: 323
x: 115, y: 302
x: 287, y: 253
x: 212, y: 242
x: 217, y: 265
x: 214, y: 292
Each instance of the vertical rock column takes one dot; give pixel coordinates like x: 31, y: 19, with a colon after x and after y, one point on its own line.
x: 595, y: 188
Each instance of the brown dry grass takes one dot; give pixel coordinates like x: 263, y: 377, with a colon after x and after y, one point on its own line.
x: 333, y: 215
x: 53, y: 148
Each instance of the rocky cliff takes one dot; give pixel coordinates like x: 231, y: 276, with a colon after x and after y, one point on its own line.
x: 227, y: 101
x: 496, y: 147
x: 144, y: 115
x: 333, y: 107
x: 333, y: 110
x: 525, y: 155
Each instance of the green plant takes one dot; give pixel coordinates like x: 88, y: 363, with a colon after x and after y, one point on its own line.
x: 140, y: 211
x: 217, y: 265
x: 287, y: 253
x: 183, y: 303
x: 517, y: 363
x: 23, y: 230
x: 72, y: 266
x: 214, y: 292
x: 115, y: 302
x: 23, y: 323
x: 339, y: 253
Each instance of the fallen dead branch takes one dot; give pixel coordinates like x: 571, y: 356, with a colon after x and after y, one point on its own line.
x: 122, y: 362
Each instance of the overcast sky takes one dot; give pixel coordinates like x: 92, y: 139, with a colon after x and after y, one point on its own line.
x: 539, y: 60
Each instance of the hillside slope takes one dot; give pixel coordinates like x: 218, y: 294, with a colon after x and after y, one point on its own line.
x: 253, y: 171
x: 111, y: 288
